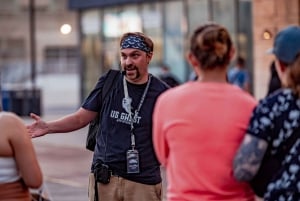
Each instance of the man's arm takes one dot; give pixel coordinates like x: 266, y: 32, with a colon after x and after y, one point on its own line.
x: 68, y: 123
x: 249, y: 157
x: 72, y: 122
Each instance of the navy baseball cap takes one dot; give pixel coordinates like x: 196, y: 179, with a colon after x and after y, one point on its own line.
x: 287, y: 44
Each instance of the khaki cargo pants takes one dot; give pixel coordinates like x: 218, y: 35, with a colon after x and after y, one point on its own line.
x: 123, y: 189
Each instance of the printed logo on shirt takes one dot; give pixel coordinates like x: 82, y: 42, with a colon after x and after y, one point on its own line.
x: 126, y: 104
x: 123, y: 117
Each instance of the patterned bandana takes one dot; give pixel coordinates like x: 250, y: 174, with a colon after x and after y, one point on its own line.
x: 135, y: 42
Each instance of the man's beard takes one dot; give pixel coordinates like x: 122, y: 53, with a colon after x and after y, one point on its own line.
x: 131, y: 67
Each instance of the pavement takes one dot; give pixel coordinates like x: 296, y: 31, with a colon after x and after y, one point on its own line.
x: 65, y: 163
x: 65, y: 171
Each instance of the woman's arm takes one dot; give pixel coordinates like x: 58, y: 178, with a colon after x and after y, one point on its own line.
x: 23, y: 151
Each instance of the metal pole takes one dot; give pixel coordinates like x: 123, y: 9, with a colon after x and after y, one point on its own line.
x: 33, y: 100
x: 210, y: 10
x: 32, y: 42
x: 237, y: 24
x: 82, y: 69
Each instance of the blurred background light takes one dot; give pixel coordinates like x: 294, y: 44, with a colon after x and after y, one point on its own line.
x: 65, y: 29
x: 267, y: 35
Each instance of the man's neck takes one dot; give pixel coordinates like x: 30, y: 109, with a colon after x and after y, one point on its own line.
x: 142, y: 80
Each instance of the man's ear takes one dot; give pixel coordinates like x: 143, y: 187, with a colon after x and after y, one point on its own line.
x: 149, y: 56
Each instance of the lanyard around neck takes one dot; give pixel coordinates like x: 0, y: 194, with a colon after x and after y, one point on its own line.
x: 130, y: 106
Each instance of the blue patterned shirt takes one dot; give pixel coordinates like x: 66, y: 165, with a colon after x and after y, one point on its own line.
x: 275, y: 119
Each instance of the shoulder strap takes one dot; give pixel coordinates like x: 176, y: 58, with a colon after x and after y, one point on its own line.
x: 109, y: 82
x: 95, y: 123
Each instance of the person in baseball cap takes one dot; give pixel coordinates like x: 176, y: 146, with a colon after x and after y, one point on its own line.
x: 274, y: 128
x: 286, y: 49
x: 287, y: 44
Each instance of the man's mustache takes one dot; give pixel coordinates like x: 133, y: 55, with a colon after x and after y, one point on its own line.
x: 130, y: 68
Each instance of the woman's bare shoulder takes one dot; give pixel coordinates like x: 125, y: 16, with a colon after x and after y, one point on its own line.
x: 9, y: 116
x: 9, y: 119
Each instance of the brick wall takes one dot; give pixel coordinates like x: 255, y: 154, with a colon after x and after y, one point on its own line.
x: 271, y: 15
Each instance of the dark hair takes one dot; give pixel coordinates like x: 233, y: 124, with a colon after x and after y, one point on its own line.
x: 293, y: 76
x: 147, y: 40
x: 240, y: 61
x: 211, y: 44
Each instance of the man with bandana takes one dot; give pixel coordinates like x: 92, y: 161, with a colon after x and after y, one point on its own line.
x: 124, y: 149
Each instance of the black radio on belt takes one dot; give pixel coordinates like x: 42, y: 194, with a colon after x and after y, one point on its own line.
x: 102, y: 173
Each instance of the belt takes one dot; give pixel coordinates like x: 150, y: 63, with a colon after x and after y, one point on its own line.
x: 113, y: 173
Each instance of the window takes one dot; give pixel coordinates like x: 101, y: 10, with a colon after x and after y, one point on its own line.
x: 175, y: 29
x: 61, y: 60
x: 12, y: 64
x: 12, y: 48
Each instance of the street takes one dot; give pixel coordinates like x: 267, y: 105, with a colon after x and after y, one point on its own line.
x: 65, y: 164
x: 65, y: 171
x: 63, y: 158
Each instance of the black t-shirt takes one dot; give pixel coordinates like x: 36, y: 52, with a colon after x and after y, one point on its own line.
x: 113, y: 141
x: 275, y: 119
x: 169, y: 79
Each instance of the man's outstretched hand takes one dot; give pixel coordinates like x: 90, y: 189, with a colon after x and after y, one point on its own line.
x: 38, y: 127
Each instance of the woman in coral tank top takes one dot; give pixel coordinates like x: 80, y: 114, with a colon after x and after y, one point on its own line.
x: 199, y: 125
